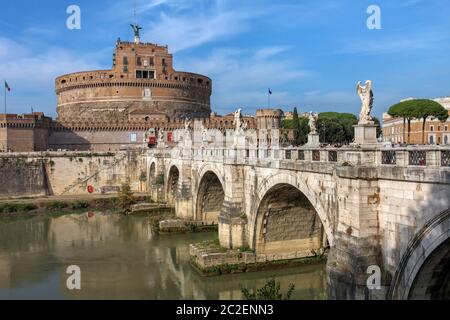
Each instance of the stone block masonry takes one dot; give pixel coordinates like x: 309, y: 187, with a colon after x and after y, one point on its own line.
x: 67, y: 173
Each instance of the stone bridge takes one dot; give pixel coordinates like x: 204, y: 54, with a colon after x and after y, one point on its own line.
x: 370, y: 206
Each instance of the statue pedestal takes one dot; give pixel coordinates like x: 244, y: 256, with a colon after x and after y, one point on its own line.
x: 365, y: 134
x: 313, y: 140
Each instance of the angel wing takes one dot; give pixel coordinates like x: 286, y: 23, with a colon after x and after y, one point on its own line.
x: 359, y: 87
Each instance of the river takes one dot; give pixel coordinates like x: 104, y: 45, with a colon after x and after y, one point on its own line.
x: 120, y: 257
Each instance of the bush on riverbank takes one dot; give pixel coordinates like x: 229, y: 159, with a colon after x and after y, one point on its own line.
x: 270, y: 291
x: 56, y: 205
x: 61, y: 206
x: 125, y: 199
x: 19, y: 207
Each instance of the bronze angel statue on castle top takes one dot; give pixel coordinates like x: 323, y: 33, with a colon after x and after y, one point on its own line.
x: 136, y: 29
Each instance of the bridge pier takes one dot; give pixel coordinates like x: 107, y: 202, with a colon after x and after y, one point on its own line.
x: 184, y: 207
x: 356, y: 249
x: 232, y: 218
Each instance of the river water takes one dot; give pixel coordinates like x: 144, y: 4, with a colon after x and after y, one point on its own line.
x: 121, y: 258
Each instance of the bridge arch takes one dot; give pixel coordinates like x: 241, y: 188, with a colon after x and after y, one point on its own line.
x: 299, y: 199
x: 424, y: 270
x: 173, y: 177
x: 152, y: 173
x: 210, y: 195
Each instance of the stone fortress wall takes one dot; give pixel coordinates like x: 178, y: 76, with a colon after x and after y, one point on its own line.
x: 69, y: 173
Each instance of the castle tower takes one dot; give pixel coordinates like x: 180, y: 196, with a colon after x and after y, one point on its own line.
x: 142, y: 84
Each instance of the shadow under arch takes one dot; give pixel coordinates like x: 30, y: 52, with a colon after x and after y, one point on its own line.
x: 420, y: 273
x: 210, y: 197
x: 288, y: 180
x: 152, y: 173
x: 173, y: 176
x: 287, y: 223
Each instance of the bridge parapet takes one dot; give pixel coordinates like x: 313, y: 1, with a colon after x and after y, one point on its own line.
x: 419, y: 157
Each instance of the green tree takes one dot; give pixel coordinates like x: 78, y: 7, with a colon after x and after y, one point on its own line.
x: 336, y: 127
x: 125, y: 199
x: 404, y: 110
x: 270, y: 291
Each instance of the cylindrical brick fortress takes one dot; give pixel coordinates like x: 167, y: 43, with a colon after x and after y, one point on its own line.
x: 141, y: 84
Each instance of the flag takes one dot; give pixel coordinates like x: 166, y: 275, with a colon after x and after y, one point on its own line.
x: 7, y: 86
x: 270, y: 92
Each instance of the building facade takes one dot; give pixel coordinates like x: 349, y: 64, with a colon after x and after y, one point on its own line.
x: 436, y: 131
x: 24, y: 132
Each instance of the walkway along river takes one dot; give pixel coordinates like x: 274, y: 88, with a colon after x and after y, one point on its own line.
x: 121, y: 258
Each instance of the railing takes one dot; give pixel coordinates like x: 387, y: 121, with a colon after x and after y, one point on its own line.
x: 388, y: 157
x: 316, y: 155
x: 415, y: 156
x: 288, y: 154
x: 332, y: 156
x: 445, y: 158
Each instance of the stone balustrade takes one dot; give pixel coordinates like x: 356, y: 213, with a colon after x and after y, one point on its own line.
x: 414, y: 156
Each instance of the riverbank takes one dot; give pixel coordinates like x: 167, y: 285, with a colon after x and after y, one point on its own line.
x: 60, y: 204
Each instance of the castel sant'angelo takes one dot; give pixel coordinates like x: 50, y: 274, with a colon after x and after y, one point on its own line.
x: 107, y: 110
x: 142, y: 85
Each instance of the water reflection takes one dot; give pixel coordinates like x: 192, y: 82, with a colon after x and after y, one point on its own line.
x: 120, y: 258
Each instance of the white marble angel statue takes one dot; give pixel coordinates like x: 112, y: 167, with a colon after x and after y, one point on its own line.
x: 366, y: 95
x: 187, y: 125
x: 204, y: 133
x: 313, y: 122
x: 237, y: 119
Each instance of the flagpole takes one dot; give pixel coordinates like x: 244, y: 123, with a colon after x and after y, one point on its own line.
x: 4, y: 85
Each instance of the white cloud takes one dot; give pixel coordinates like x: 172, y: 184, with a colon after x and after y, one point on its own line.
x: 270, y: 51
x: 181, y: 32
x: 241, y: 77
x: 34, y: 74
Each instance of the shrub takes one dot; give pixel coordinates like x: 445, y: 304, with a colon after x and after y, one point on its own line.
x: 125, y: 198
x: 56, y: 205
x: 270, y: 291
x: 79, y: 205
x: 20, y: 207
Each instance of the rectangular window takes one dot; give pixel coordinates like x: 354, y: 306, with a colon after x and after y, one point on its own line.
x: 133, y: 137
x: 125, y: 69
x: 152, y: 61
x: 151, y: 74
x: 138, y: 61
x: 125, y: 61
x: 138, y: 74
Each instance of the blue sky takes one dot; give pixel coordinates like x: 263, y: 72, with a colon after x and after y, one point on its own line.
x: 310, y: 53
